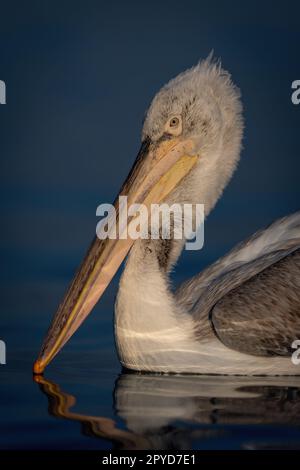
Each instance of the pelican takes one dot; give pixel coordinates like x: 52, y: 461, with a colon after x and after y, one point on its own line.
x: 239, y: 316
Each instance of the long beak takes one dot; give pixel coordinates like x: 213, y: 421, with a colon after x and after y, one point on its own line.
x: 156, y: 172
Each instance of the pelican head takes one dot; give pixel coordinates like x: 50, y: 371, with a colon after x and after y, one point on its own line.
x: 191, y: 142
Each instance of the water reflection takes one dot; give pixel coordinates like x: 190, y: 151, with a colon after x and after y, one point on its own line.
x: 175, y: 412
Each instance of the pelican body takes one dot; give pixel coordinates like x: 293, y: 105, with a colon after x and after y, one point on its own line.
x: 239, y: 316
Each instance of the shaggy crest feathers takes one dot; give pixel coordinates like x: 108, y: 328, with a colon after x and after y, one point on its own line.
x: 205, y: 96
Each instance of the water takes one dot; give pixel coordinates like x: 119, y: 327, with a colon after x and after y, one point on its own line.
x: 83, y: 405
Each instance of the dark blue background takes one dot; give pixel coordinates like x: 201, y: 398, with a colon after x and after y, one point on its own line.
x: 79, y: 77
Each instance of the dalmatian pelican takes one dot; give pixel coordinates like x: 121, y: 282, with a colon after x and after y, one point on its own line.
x: 239, y: 316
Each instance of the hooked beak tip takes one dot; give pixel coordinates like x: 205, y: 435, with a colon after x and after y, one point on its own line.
x: 38, y: 367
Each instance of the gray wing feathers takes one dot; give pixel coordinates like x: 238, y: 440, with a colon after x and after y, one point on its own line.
x: 262, y: 316
x: 282, y: 236
x: 251, y: 296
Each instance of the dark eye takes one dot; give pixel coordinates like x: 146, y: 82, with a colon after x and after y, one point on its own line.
x: 174, y: 122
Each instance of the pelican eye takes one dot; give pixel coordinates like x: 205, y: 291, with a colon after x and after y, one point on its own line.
x: 174, y: 125
x: 174, y: 122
